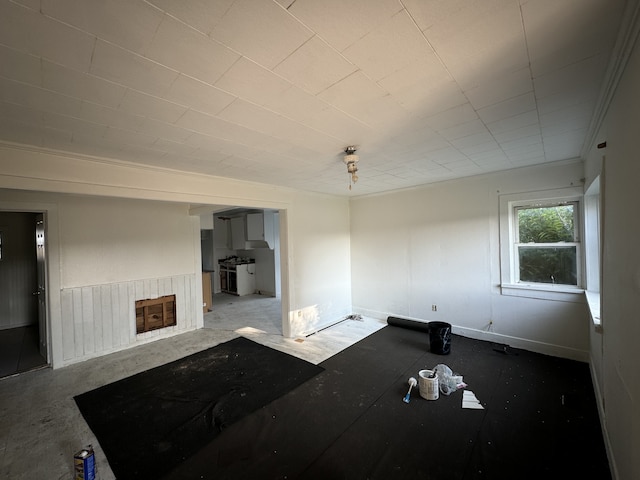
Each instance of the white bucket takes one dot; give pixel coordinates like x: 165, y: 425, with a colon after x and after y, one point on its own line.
x: 428, y: 386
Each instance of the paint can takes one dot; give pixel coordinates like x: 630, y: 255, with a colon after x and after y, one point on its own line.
x: 84, y: 464
x: 428, y: 384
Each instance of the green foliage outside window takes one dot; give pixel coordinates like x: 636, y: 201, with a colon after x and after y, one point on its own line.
x: 544, y: 258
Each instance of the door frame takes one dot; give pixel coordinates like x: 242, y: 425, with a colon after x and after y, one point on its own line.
x: 53, y: 322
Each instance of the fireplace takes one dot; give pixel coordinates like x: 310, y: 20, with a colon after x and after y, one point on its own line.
x: 155, y: 313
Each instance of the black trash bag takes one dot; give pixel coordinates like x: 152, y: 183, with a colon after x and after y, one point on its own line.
x: 440, y: 338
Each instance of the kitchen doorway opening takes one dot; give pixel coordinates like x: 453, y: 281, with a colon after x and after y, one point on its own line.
x: 241, y: 261
x: 24, y: 344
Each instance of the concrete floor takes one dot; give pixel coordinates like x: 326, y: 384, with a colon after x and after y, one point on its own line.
x: 19, y: 350
x: 41, y: 427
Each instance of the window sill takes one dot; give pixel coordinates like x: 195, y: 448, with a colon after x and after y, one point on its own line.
x: 559, y: 293
x: 593, y: 301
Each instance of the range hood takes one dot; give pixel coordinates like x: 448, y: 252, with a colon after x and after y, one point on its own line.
x: 253, y: 244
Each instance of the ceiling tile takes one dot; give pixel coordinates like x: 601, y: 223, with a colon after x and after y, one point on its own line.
x: 21, y: 114
x: 131, y: 70
x: 294, y: 103
x: 130, y: 24
x: 163, y: 130
x: 393, y: 45
x: 20, y: 66
x: 446, y: 155
x: 141, y: 104
x: 354, y: 94
x: 341, y: 126
x: 423, y: 85
x: 575, y: 117
x: 576, y: 83
x: 37, y: 98
x: 202, y: 15
x: 166, y: 145
x: 564, y: 145
x: 465, y: 129
x: 315, y: 66
x: 262, y: 31
x: 491, y: 159
x: 513, y: 123
x: 198, y: 95
x: 562, y: 33
x: 269, y: 123
x: 513, y: 134
x: 128, y: 137
x: 81, y: 85
x: 503, y: 87
x: 33, y: 4
x: 250, y: 81
x: 508, y: 108
x: 523, y: 145
x: 340, y: 23
x: 452, y: 117
x: 218, y: 128
x: 74, y: 125
x: 475, y: 40
x: 181, y: 48
x: 12, y: 130
x: 31, y: 32
x: 108, y: 116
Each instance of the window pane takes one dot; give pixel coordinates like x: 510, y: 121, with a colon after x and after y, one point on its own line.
x: 546, y: 224
x: 548, y: 264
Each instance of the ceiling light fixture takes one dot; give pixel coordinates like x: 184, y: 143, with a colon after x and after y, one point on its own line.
x: 351, y: 160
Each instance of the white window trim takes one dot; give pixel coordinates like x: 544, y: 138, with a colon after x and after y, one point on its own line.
x: 508, y: 262
x: 593, y: 242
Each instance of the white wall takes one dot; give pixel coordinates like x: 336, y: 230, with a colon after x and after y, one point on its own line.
x: 439, y: 245
x: 111, y: 240
x: 319, y: 259
x: 103, y: 255
x: 615, y: 351
x: 315, y: 229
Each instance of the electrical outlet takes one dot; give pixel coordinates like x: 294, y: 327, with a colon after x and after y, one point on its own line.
x: 434, y: 308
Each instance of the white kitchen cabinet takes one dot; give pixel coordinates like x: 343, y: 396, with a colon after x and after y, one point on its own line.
x: 238, y: 240
x: 221, y: 233
x: 261, y: 226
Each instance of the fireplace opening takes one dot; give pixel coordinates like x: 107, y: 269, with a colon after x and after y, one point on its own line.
x: 155, y: 313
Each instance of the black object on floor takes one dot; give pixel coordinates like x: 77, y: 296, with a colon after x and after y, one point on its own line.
x: 440, y: 338
x: 152, y: 421
x: 349, y: 422
x: 407, y: 323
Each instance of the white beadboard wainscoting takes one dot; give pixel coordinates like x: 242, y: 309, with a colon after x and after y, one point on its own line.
x: 101, y: 319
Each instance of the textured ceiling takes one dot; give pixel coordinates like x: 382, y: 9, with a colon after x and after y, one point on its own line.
x: 273, y: 91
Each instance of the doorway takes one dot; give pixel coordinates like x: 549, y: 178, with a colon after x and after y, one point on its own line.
x: 244, y: 246
x: 23, y: 304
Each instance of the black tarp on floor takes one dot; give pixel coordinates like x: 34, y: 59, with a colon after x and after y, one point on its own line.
x: 540, y: 420
x: 151, y: 422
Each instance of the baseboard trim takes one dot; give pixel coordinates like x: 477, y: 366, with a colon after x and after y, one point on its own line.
x: 525, y: 344
x: 603, y: 423
x: 517, y: 342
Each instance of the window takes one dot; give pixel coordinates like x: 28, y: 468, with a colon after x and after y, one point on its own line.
x: 540, y: 244
x: 547, y: 244
x: 592, y: 234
